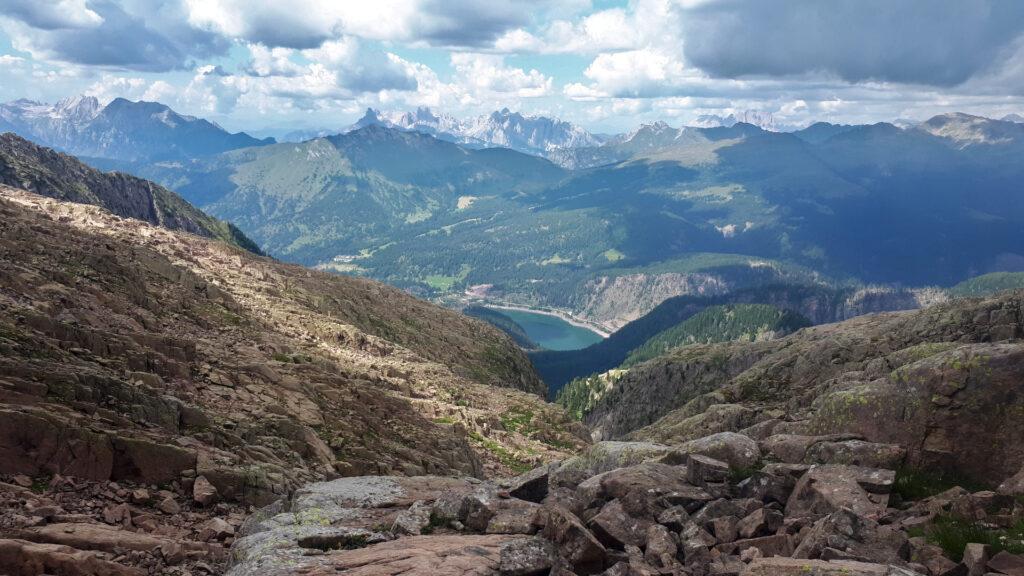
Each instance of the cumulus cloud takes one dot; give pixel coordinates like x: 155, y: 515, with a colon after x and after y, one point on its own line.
x: 150, y: 37
x: 629, y: 74
x: 363, y: 70
x: 305, y: 24
x: 486, y: 75
x: 932, y: 42
x: 54, y: 15
x: 644, y: 23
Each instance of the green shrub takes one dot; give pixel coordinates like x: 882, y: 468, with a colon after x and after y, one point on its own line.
x: 915, y: 484
x: 952, y: 534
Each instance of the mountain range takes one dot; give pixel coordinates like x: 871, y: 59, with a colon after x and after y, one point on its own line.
x: 603, y: 227
x: 660, y: 212
x: 122, y: 130
x: 537, y: 135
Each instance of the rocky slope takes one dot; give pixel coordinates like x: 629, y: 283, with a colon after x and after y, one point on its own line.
x: 50, y: 173
x: 830, y: 452
x: 152, y: 383
x: 929, y: 380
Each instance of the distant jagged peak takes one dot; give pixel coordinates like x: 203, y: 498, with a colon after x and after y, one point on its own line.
x: 503, y: 128
x: 81, y: 108
x: 761, y: 119
x: 123, y: 129
x: 1015, y: 118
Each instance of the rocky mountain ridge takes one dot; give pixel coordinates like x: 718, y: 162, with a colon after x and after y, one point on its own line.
x: 153, y: 383
x: 43, y: 171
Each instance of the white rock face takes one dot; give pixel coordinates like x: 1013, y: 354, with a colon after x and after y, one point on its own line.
x: 504, y: 128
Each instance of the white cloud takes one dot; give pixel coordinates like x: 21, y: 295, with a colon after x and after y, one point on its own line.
x: 308, y: 23
x: 630, y: 74
x: 109, y: 87
x: 644, y: 24
x: 486, y: 75
x: 272, y: 61
x: 52, y: 14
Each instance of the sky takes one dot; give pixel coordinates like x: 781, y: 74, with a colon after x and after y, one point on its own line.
x: 273, y: 66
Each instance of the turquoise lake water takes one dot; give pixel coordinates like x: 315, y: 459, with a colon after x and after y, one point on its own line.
x: 552, y: 332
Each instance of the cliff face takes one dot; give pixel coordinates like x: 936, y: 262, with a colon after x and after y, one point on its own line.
x: 614, y: 301
x: 50, y: 173
x: 928, y: 379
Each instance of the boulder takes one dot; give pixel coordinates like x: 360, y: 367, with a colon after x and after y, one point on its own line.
x: 844, y: 533
x: 695, y: 542
x: 825, y: 489
x: 661, y: 547
x: 584, y: 553
x: 1014, y: 485
x: 412, y: 521
x: 653, y: 480
x: 1006, y: 563
x: 674, y: 517
x: 603, y: 457
x: 930, y: 556
x: 514, y: 516
x: 954, y: 409
x: 738, y: 451
x: 531, y: 486
x: 725, y: 528
x: 976, y: 557
x: 788, y: 448
x: 767, y: 486
x: 617, y: 529
x: 702, y: 470
x: 760, y: 522
x: 215, y: 529
x: 856, y: 453
x: 526, y: 557
x: 774, y: 545
x: 203, y: 492
x: 736, y: 508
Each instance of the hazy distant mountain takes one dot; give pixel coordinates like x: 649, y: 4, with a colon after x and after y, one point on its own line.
x: 821, y: 131
x: 763, y: 120
x: 122, y: 130
x: 648, y: 139
x: 537, y: 135
x: 1013, y: 118
x: 967, y: 130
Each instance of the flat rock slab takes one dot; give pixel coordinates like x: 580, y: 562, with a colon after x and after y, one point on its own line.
x: 798, y: 567
x: 441, y: 555
x: 23, y: 558
x: 101, y: 537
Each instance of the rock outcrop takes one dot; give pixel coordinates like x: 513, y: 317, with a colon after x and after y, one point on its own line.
x: 936, y: 389
x: 647, y: 518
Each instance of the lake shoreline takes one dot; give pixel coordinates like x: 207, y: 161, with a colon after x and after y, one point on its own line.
x: 563, y: 316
